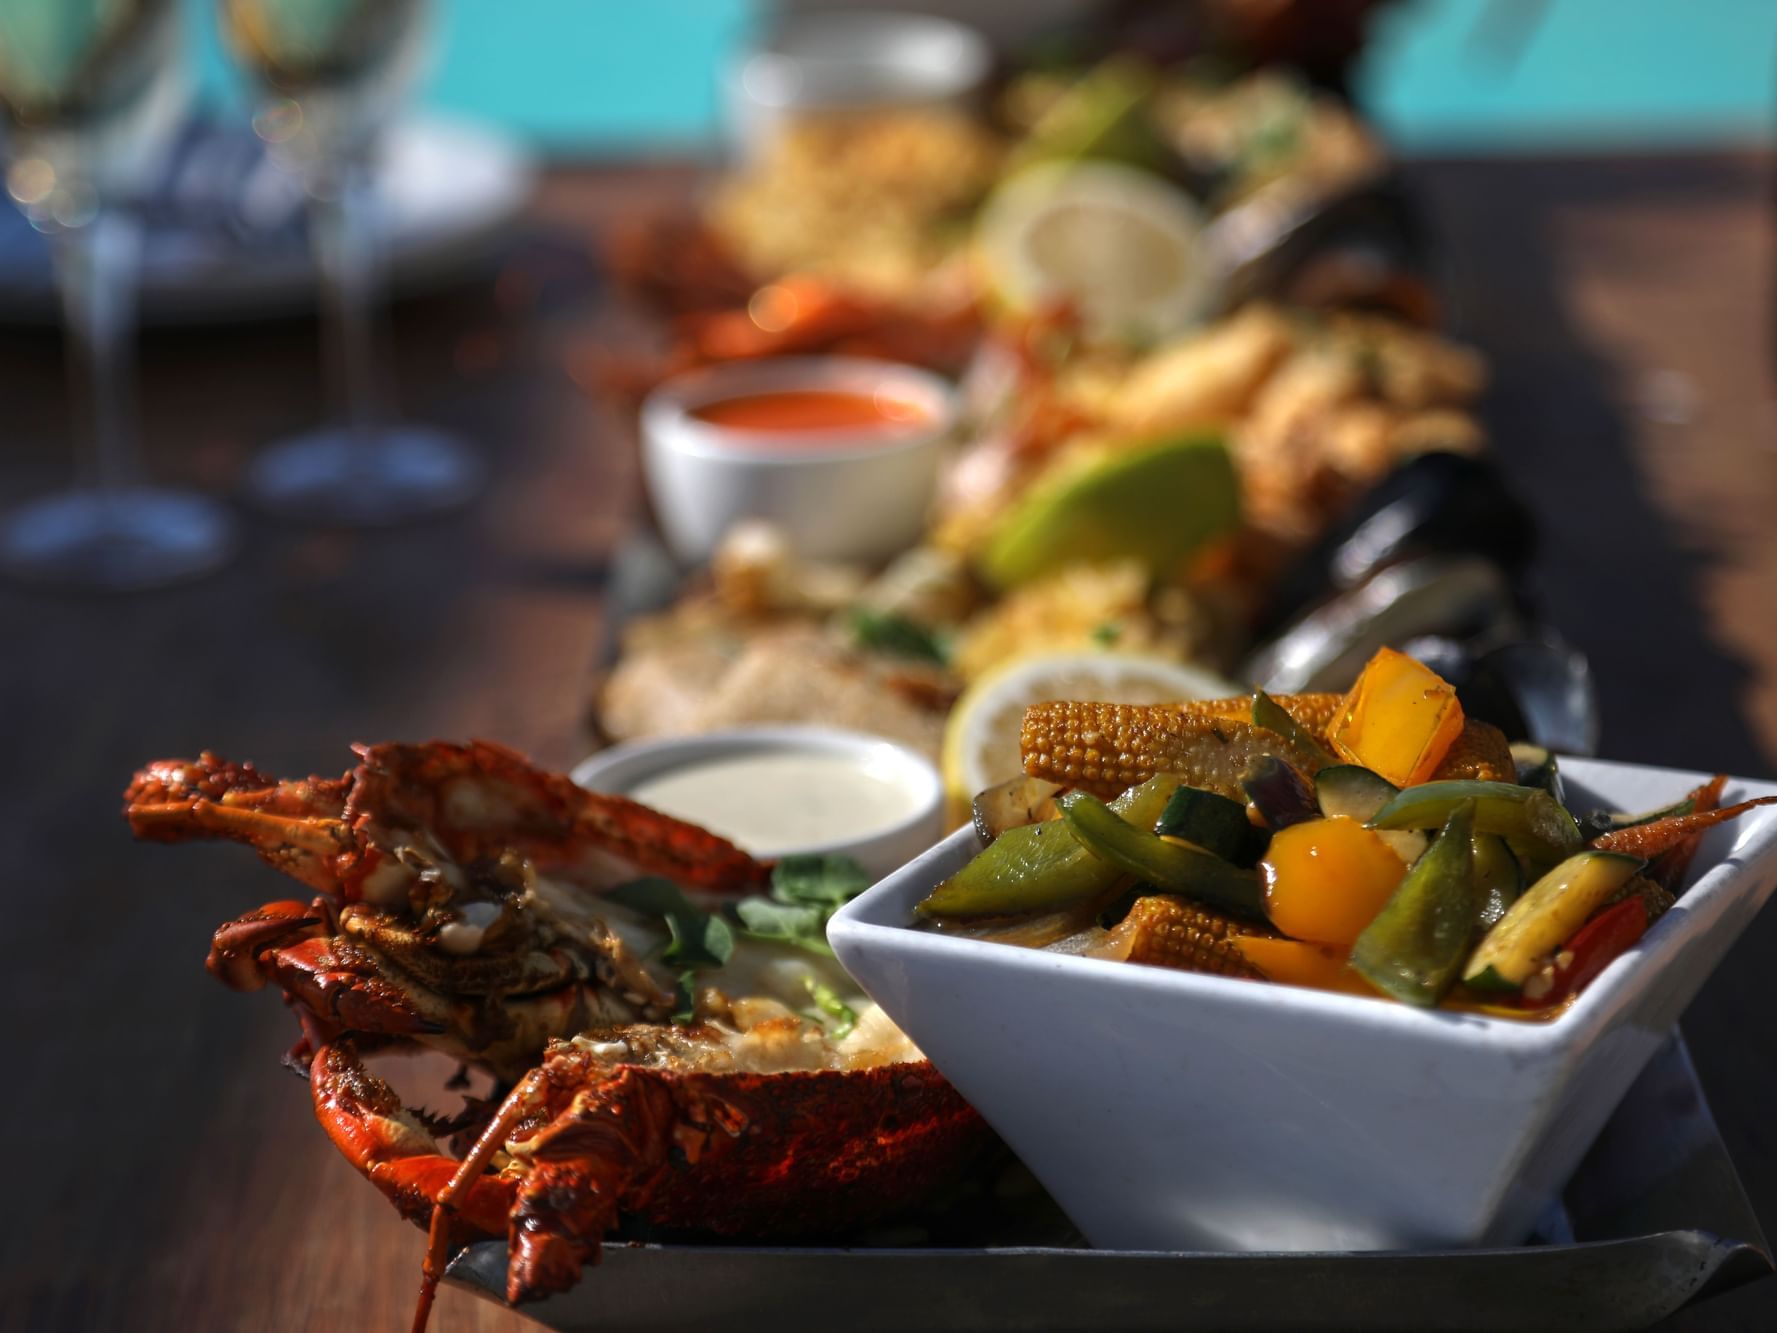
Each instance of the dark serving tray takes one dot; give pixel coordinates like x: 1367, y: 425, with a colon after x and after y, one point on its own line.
x: 1654, y: 1220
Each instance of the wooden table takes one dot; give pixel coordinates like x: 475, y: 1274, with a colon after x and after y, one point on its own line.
x: 165, y: 1172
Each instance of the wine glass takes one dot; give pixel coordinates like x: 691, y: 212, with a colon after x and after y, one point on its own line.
x: 90, y: 95
x: 331, y: 73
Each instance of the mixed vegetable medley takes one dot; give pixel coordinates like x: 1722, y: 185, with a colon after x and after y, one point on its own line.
x: 1377, y: 843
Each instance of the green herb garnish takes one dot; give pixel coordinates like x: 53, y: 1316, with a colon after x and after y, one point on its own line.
x: 823, y: 880
x: 686, y: 998
x: 805, y: 891
x: 699, y: 938
x: 827, y: 1001
x: 796, y: 923
x: 896, y: 636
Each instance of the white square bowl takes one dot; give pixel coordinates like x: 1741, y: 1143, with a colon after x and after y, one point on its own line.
x: 1171, y: 1111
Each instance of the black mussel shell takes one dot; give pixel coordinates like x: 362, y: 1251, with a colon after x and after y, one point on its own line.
x: 1461, y: 597
x: 1434, y: 503
x: 1363, y: 247
x: 1533, y: 689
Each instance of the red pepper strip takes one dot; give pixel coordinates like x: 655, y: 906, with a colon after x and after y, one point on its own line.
x: 1598, y: 943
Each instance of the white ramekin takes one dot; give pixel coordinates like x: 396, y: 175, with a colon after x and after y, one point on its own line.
x: 623, y: 768
x: 857, y: 494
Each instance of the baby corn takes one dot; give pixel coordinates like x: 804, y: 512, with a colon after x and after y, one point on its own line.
x: 1481, y: 753
x: 1108, y: 747
x: 1165, y: 931
x: 1313, y: 712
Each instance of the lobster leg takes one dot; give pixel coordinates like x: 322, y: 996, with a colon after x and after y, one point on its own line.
x: 339, y: 986
x: 344, y: 989
x: 345, y: 836
x: 392, y: 1148
x: 295, y: 825
x: 447, y: 1212
x: 613, y: 1137
x: 237, y: 948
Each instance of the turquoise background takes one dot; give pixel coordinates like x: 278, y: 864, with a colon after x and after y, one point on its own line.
x: 601, y: 76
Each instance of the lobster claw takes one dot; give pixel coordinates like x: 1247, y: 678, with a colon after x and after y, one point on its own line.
x: 344, y: 990
x: 237, y: 946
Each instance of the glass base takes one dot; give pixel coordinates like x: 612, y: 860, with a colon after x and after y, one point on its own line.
x: 117, y: 540
x: 338, y: 476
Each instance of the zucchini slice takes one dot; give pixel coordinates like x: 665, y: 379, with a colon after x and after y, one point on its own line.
x: 1539, y: 829
x: 1498, y: 876
x: 1214, y: 823
x: 1548, y: 914
x: 1537, y: 768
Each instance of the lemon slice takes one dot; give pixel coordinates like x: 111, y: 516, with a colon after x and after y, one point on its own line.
x: 981, y: 735
x: 1120, y: 244
x: 1156, y: 502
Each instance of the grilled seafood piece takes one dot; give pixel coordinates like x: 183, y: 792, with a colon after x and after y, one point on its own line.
x: 703, y: 1128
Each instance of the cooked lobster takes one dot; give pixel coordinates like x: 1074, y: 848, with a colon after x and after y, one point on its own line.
x: 463, y: 904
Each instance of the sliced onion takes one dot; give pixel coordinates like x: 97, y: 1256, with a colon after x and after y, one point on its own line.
x: 1035, y: 930
x: 1014, y: 803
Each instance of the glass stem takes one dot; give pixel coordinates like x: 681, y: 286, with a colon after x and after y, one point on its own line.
x: 96, y: 267
x: 345, y: 252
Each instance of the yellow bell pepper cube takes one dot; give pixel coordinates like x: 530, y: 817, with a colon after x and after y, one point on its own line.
x: 1399, y: 720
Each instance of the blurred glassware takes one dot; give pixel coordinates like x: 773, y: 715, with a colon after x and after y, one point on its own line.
x: 92, y: 93
x: 836, y: 63
x: 333, y: 72
x: 225, y: 235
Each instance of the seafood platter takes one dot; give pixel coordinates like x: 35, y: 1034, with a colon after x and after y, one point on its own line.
x: 680, y: 1049
x: 1091, y: 814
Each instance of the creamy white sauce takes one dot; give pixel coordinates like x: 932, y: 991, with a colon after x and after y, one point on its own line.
x: 777, y: 801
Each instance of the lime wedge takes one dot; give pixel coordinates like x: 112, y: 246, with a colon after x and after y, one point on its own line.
x: 1155, y: 502
x: 1122, y: 246
x: 1103, y: 114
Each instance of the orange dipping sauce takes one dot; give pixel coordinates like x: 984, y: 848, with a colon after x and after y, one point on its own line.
x: 795, y: 410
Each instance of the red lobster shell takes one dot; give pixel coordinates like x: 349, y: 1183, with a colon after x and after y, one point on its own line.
x: 674, y: 1125
x: 586, y: 1140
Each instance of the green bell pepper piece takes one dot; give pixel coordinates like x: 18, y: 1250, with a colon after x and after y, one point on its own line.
x: 1273, y: 716
x: 1166, y: 865
x: 1538, y: 828
x: 1041, y: 867
x: 1418, y: 942
x: 1498, y: 876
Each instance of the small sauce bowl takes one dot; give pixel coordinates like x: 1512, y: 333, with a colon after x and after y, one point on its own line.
x: 789, y: 790
x: 841, y: 482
